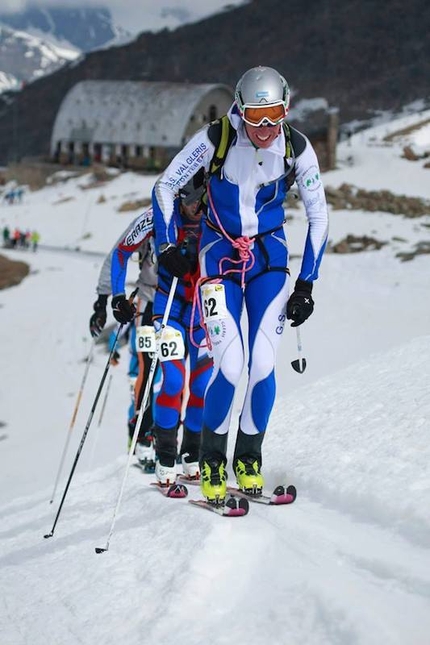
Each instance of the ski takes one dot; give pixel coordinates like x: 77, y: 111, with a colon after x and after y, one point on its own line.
x: 281, y: 495
x: 232, y: 507
x: 174, y: 491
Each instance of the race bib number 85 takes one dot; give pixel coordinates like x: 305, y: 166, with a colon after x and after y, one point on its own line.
x: 145, y: 339
x: 171, y: 345
x: 213, y: 302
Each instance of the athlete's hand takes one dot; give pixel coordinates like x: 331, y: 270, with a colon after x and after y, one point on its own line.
x: 123, y: 310
x: 300, y: 304
x: 174, y: 262
x: 98, y: 319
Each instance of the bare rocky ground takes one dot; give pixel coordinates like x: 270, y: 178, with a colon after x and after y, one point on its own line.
x: 12, y: 272
x: 348, y: 197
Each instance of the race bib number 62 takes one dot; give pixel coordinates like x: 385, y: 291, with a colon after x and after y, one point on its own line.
x: 213, y: 302
x: 171, y: 345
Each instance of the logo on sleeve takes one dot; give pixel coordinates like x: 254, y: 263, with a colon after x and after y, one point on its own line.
x: 311, y: 180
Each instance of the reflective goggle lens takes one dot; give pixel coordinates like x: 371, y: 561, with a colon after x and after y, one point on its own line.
x: 273, y: 114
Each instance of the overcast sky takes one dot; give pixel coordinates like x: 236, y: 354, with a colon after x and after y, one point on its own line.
x: 138, y: 15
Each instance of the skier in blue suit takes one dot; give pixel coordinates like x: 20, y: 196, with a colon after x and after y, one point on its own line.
x: 244, y: 260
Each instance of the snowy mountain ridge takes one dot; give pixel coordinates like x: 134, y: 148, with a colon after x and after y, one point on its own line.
x: 38, y: 41
x: 27, y: 57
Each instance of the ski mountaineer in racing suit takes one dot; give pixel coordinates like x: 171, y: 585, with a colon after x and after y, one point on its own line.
x: 244, y: 256
x: 139, y: 362
x: 185, y: 341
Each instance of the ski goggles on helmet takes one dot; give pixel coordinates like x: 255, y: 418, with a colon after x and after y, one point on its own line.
x: 264, y: 114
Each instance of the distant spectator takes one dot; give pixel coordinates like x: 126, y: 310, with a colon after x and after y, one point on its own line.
x: 10, y: 196
x: 16, y: 237
x: 22, y: 240
x: 6, y: 237
x: 19, y: 192
x: 34, y: 239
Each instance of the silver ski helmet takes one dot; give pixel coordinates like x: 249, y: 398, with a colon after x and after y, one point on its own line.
x: 262, y: 95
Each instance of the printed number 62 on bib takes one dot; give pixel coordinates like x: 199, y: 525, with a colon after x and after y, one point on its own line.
x: 171, y: 345
x: 145, y: 339
x: 213, y: 301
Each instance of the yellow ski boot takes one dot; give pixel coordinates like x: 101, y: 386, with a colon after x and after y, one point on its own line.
x: 213, y: 479
x: 248, y: 475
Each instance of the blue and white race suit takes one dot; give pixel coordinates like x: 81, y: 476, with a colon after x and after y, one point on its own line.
x: 246, y: 201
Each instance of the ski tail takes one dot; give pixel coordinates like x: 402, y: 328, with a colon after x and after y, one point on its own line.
x: 174, y: 491
x: 283, y: 495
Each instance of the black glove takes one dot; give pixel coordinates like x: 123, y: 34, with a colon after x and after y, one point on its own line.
x: 98, y: 319
x: 300, y: 304
x: 123, y: 311
x: 174, y: 262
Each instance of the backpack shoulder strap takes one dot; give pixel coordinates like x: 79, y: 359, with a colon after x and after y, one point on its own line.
x: 221, y: 133
x: 289, y: 154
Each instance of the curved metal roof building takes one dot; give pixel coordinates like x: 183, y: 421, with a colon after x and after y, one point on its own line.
x: 137, y: 113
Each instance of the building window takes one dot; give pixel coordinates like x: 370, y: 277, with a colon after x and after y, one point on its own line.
x: 71, y: 152
x: 213, y: 112
x: 97, y: 152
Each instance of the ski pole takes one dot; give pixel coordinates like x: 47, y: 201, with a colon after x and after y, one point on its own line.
x: 96, y: 438
x: 72, y: 422
x: 104, y: 402
x: 299, y: 365
x: 87, y: 427
x: 143, y: 406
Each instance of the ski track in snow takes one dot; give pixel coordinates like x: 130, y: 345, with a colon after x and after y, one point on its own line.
x: 185, y: 582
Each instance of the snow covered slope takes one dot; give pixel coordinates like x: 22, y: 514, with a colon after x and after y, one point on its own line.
x: 349, y: 562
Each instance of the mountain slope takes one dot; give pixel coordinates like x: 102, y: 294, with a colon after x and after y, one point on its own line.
x: 361, y: 56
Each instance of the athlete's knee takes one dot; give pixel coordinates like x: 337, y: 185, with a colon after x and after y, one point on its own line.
x: 232, y: 370
x: 231, y: 361
x: 173, y: 377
